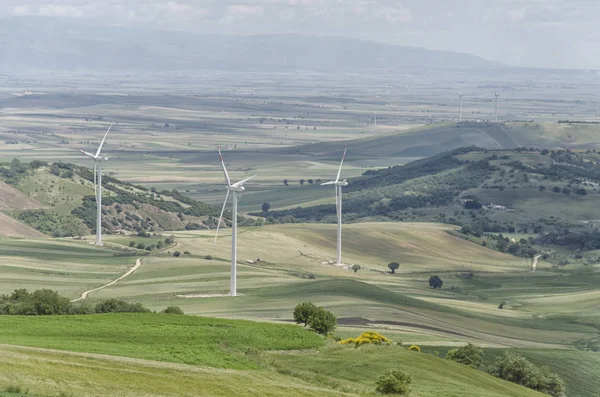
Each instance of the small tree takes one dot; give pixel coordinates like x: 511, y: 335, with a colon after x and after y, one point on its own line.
x: 303, y: 311
x: 265, y: 207
x: 435, y: 282
x: 301, y: 181
x: 322, y: 321
x: 285, y: 182
x: 355, y: 268
x: 393, y: 381
x: 470, y: 355
x: 393, y: 267
x: 176, y: 254
x: 132, y: 244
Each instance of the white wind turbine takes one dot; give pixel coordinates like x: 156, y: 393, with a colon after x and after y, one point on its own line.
x: 98, y: 159
x: 338, y: 206
x: 460, y: 112
x: 236, y: 188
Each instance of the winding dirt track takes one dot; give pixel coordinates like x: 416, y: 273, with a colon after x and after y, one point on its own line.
x: 84, y: 295
x: 534, y: 263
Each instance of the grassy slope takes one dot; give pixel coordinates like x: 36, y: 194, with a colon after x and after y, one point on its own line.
x: 172, y: 338
x: 431, y: 376
x: 211, y: 345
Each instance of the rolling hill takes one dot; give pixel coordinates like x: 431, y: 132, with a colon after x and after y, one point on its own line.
x: 58, y: 200
x: 531, y: 192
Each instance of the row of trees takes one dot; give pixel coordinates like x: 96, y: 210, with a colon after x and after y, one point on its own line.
x: 286, y: 182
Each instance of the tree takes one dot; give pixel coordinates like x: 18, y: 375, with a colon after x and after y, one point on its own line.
x: 285, y: 182
x: 303, y: 311
x: 310, y: 181
x: 132, y: 244
x: 470, y: 355
x: 355, y: 268
x: 556, y: 189
x: 393, y: 267
x: 393, y: 381
x: 473, y: 205
x: 322, y: 321
x: 176, y: 254
x: 301, y: 181
x: 265, y: 207
x: 542, y: 188
x: 517, y: 369
x: 435, y: 282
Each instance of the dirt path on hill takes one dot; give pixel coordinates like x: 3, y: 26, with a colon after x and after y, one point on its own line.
x: 534, y: 263
x: 84, y: 295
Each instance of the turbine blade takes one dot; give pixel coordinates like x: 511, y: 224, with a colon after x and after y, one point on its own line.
x: 342, y: 162
x: 221, y: 216
x: 102, y: 143
x: 240, y: 183
x: 88, y: 154
x: 224, y: 169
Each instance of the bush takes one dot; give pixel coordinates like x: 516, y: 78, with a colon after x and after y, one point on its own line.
x: 355, y: 268
x: 435, y: 282
x: 303, y: 311
x: 208, y: 257
x: 367, y: 337
x: 132, y: 244
x: 517, y: 369
x: 187, y: 253
x: 415, y: 348
x: 393, y: 267
x: 322, y: 321
x: 393, y: 381
x: 119, y: 306
x: 470, y: 355
x: 176, y: 254
x: 172, y: 310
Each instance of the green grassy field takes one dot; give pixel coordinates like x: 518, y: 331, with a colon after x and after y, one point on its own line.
x: 154, y: 354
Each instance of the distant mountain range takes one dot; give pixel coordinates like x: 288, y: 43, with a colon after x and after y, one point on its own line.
x: 43, y: 43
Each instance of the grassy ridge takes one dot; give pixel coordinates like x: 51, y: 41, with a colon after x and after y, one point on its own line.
x: 179, y: 339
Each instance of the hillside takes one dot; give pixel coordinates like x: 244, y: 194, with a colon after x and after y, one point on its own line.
x: 530, y: 192
x: 58, y: 200
x: 55, y: 44
x: 221, y: 357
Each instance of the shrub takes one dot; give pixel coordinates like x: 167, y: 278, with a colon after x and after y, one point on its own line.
x: 355, y: 268
x: 367, y: 337
x: 393, y: 381
x: 132, y: 244
x: 187, y: 253
x: 172, y: 310
x: 119, y: 306
x: 141, y: 246
x: 435, y: 282
x: 176, y: 254
x: 470, y: 355
x: 393, y: 267
x: 322, y: 321
x: 303, y: 311
x: 517, y: 369
x: 415, y: 348
x: 208, y: 257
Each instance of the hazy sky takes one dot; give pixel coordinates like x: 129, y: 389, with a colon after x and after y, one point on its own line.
x: 543, y: 33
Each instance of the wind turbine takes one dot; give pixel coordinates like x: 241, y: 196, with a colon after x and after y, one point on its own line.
x: 460, y: 95
x: 236, y: 188
x: 375, y: 116
x: 338, y: 206
x: 496, y: 110
x: 98, y: 159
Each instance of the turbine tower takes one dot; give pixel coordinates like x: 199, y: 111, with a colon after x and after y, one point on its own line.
x: 235, y: 188
x: 98, y: 159
x: 460, y: 95
x: 496, y: 110
x: 375, y: 117
x: 338, y: 206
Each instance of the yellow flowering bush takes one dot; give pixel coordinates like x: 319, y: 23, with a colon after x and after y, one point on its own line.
x: 367, y: 338
x: 415, y: 348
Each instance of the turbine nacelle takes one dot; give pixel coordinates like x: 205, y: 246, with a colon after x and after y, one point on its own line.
x: 237, y: 189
